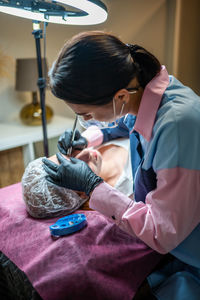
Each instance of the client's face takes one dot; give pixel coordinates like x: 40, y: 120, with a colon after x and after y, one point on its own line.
x: 92, y: 157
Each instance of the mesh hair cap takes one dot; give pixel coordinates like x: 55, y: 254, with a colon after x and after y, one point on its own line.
x: 44, y: 199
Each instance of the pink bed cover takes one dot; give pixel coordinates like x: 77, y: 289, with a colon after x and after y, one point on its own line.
x: 98, y: 262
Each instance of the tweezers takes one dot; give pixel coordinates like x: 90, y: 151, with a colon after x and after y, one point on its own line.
x: 69, y: 152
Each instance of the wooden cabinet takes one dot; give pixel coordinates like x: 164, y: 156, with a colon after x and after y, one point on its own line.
x: 11, y: 166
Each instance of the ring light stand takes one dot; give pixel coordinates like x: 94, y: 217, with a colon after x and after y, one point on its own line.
x: 42, y: 87
x: 90, y: 12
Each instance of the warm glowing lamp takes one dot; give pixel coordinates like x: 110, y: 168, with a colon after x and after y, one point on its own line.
x: 26, y: 80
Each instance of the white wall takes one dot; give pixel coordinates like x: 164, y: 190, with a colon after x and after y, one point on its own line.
x: 146, y: 22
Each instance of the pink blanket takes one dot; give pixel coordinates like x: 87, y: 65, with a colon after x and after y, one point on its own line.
x: 99, y: 262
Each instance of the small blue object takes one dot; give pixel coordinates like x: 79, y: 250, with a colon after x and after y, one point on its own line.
x: 68, y: 225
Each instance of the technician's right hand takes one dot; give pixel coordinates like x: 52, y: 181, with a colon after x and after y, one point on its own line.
x: 72, y: 174
x: 64, y: 142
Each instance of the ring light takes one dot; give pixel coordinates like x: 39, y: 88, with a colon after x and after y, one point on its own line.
x: 90, y: 12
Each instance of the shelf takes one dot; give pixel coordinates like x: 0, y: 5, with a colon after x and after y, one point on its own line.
x: 14, y: 133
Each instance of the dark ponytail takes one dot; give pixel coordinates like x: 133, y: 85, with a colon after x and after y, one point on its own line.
x: 146, y: 64
x: 93, y: 66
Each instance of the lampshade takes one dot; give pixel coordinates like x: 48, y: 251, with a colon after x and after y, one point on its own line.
x: 26, y: 80
x: 27, y: 74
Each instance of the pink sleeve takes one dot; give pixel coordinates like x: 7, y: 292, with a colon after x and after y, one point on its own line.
x: 94, y: 136
x: 111, y: 203
x: 161, y: 221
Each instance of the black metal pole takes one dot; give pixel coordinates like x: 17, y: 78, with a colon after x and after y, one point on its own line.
x: 41, y: 84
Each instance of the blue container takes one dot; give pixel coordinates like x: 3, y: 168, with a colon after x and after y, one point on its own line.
x: 68, y: 225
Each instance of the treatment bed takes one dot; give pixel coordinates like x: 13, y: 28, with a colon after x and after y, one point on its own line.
x: 99, y: 262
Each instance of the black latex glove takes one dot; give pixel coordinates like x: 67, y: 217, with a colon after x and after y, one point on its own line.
x: 74, y: 174
x: 64, y: 142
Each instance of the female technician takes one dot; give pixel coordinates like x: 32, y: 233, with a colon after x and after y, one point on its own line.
x: 103, y: 79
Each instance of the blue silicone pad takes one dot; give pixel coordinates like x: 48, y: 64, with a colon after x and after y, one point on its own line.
x: 68, y: 225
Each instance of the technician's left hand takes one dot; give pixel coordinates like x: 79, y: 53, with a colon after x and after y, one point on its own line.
x: 64, y: 142
x: 72, y: 174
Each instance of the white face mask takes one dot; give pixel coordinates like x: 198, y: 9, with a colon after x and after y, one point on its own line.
x: 93, y: 122
x: 101, y: 125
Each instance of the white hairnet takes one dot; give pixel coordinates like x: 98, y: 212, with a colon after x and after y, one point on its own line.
x: 44, y: 199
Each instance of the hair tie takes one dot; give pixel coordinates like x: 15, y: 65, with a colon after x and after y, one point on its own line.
x: 133, y: 50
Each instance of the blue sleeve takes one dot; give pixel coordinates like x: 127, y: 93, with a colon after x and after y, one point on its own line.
x: 118, y: 132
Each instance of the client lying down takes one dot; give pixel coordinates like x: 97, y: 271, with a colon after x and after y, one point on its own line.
x: 44, y: 199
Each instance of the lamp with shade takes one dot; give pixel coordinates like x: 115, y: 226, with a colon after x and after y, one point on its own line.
x: 87, y: 12
x: 26, y: 80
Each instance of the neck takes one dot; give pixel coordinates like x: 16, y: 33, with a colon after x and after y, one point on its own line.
x: 112, y: 167
x: 134, y: 102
